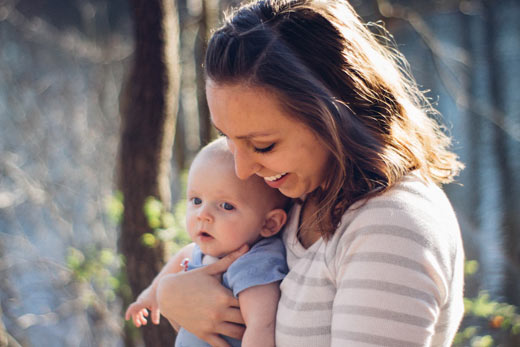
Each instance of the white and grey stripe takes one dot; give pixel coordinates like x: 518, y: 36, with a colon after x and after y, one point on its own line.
x: 391, y: 275
x: 373, y: 339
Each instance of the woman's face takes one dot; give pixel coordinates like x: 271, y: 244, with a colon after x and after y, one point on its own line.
x: 265, y: 140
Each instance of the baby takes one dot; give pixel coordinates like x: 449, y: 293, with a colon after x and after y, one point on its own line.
x: 223, y: 214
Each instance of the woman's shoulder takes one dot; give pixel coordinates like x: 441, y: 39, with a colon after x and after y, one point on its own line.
x: 413, y: 199
x: 412, y: 218
x: 405, y: 240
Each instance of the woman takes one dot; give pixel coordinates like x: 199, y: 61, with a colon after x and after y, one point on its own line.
x: 312, y: 101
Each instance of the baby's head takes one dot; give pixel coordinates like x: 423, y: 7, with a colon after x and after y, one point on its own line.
x: 225, y: 212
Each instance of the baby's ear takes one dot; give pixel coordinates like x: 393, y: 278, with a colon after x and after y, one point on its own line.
x: 274, y: 221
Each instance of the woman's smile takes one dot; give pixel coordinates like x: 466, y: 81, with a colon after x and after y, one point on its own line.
x: 266, y: 140
x: 275, y: 178
x: 276, y: 181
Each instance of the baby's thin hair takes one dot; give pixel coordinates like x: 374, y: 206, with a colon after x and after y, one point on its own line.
x: 218, y: 147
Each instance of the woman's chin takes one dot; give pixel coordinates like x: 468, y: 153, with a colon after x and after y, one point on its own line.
x: 291, y: 193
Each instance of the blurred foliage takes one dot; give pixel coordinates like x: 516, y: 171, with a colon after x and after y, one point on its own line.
x: 486, y: 322
x: 100, y: 268
x: 100, y: 271
x: 114, y: 207
x: 168, y: 226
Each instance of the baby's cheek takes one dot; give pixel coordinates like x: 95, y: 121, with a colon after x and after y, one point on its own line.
x: 238, y: 219
x: 190, y: 223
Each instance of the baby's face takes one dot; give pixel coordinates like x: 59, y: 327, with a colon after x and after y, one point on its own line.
x: 223, y: 211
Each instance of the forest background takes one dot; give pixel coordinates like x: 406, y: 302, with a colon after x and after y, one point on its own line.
x: 96, y: 130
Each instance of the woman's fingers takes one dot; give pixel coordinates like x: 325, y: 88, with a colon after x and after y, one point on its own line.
x: 216, y: 341
x: 198, y: 302
x: 222, y: 265
x: 232, y: 330
x: 233, y: 315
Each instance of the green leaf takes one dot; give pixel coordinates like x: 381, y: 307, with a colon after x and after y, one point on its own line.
x: 471, y: 267
x: 75, y: 258
x: 152, y: 208
x: 106, y: 256
x: 114, y: 207
x: 154, y: 222
x: 469, y: 332
x: 168, y: 220
x: 482, y: 341
x: 149, y: 239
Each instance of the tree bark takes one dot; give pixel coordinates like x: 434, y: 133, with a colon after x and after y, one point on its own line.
x: 148, y: 108
x: 200, y: 51
x: 502, y: 148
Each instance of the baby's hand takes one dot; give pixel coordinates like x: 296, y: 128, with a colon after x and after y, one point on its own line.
x: 146, y: 301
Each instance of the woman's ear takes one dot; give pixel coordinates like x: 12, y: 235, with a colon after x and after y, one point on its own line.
x: 273, y: 223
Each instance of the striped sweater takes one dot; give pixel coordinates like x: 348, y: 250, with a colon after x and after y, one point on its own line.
x: 391, y: 275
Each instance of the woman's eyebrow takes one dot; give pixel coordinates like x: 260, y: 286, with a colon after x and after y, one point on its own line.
x: 248, y: 136
x: 253, y: 135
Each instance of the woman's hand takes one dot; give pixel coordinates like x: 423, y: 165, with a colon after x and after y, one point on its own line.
x: 198, y: 302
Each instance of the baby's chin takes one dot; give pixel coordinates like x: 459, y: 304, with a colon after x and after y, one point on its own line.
x: 209, y: 252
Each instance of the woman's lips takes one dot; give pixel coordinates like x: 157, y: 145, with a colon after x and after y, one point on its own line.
x: 277, y: 180
x: 275, y: 177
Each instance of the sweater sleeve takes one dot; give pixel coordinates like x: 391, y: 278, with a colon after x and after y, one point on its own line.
x: 393, y: 267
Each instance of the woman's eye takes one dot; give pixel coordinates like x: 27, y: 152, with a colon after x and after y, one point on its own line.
x: 197, y: 201
x: 227, y: 206
x: 264, y: 149
x: 220, y: 133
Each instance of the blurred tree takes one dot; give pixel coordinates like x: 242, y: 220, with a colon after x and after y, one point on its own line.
x: 206, y: 21
x: 474, y: 132
x: 502, y: 149
x: 148, y: 109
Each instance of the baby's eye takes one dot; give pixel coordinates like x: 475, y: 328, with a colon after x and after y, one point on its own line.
x: 227, y: 206
x: 196, y: 201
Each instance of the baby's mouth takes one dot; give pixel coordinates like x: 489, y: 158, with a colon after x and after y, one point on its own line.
x: 205, y: 234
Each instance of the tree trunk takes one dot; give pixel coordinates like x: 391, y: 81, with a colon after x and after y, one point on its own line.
x: 474, y: 127
x: 200, y: 51
x: 148, y: 108
x: 502, y: 148
x: 471, y: 205
x: 207, y: 22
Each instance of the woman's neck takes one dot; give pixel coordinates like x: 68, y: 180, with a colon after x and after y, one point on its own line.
x: 307, y: 231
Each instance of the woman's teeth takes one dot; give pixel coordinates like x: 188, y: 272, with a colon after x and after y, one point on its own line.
x: 274, y: 178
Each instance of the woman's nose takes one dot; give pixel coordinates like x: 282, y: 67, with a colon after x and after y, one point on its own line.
x: 245, y: 165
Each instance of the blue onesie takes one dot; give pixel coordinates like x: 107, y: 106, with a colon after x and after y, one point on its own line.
x: 264, y: 263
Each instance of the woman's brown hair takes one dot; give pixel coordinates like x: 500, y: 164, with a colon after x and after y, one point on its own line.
x: 347, y: 84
